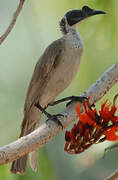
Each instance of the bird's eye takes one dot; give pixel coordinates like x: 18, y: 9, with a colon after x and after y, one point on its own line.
x: 62, y: 22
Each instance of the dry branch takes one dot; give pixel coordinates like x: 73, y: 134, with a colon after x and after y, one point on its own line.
x: 13, y: 21
x: 114, y: 176
x: 48, y: 130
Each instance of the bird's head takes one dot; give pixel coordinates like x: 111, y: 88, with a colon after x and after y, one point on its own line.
x: 76, y: 16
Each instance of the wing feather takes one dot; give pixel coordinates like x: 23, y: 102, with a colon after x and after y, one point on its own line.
x: 45, y: 65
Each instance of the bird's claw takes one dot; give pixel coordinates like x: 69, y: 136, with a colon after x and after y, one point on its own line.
x: 55, y: 119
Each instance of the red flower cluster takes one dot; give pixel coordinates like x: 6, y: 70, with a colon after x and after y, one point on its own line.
x: 92, y: 127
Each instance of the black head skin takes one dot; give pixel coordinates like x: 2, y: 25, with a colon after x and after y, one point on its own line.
x: 77, y: 15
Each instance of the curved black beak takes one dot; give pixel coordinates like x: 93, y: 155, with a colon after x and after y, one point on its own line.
x: 95, y: 12
x: 87, y: 12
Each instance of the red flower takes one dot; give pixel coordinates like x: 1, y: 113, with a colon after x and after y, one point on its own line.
x: 111, y: 134
x: 92, y: 127
x: 88, y: 116
x: 107, y: 112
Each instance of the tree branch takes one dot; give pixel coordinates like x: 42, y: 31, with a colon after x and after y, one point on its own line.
x: 48, y: 130
x: 13, y: 21
x: 114, y: 176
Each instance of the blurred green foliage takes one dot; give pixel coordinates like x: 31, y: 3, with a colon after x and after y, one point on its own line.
x: 35, y: 29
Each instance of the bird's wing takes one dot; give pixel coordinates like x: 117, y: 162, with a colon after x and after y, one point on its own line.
x: 45, y: 65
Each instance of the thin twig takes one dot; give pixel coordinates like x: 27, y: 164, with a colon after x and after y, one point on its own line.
x: 13, y: 21
x: 50, y: 129
x: 114, y: 176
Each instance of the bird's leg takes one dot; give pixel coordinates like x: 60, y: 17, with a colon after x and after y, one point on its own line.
x: 72, y: 98
x: 50, y: 116
x: 80, y: 99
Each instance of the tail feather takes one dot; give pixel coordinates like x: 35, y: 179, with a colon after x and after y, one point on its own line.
x: 29, y: 124
x: 19, y: 165
x: 34, y: 160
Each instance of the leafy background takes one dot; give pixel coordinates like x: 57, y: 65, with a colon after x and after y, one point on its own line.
x: 35, y: 29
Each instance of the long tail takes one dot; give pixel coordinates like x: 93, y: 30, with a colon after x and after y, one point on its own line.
x: 29, y: 124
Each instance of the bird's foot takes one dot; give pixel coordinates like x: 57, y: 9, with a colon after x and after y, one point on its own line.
x: 72, y: 98
x: 55, y: 119
x: 80, y: 99
x: 50, y: 116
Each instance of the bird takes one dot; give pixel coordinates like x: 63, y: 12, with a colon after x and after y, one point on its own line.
x: 53, y: 73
